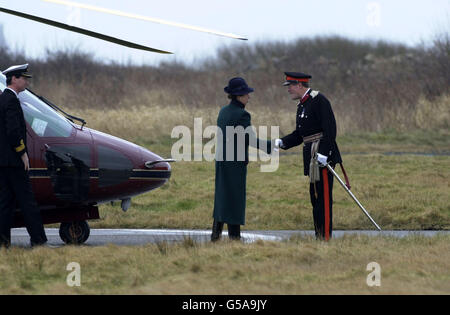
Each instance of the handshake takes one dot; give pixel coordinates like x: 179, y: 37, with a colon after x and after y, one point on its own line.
x: 278, y: 143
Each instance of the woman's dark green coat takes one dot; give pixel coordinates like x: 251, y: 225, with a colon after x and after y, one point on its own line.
x: 231, y: 172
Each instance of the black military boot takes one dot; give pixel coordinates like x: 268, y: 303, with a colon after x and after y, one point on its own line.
x: 216, y: 231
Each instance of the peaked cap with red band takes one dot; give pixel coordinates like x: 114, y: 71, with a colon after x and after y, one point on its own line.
x: 296, y: 77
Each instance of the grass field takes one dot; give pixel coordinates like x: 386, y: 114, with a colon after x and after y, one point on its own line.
x: 392, y: 99
x: 400, y: 191
x: 413, y: 265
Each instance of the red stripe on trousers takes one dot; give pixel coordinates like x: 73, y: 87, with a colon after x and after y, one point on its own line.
x: 326, y: 201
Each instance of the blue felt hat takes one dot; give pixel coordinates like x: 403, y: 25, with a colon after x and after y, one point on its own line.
x: 237, y: 86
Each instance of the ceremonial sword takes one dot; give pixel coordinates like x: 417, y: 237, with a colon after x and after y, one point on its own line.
x: 351, y: 195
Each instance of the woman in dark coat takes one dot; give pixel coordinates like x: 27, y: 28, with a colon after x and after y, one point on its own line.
x: 231, y: 167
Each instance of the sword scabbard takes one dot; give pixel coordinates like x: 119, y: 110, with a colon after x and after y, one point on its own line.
x: 353, y: 196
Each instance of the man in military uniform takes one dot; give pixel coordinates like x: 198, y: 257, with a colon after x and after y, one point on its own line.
x: 316, y: 128
x: 15, y: 185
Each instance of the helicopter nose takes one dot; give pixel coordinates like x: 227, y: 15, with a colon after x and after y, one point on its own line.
x: 122, y: 172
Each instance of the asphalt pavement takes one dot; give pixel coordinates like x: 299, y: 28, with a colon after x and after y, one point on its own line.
x: 101, y: 237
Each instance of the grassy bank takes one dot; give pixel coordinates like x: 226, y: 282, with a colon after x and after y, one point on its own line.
x: 148, y: 121
x: 413, y: 265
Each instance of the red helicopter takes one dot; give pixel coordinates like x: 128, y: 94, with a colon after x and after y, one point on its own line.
x: 73, y: 168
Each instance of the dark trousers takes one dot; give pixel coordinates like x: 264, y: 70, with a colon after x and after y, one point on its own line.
x: 234, y: 231
x: 323, y: 204
x: 15, y: 188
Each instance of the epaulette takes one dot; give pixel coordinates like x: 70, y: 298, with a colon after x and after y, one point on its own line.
x: 314, y: 93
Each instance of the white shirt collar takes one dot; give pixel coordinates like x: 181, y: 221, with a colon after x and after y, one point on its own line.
x: 12, y: 91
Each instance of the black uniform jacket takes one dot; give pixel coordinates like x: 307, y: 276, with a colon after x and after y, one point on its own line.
x: 314, y: 115
x: 13, y: 130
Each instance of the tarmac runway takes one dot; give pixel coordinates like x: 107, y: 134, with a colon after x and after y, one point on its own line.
x: 101, y: 237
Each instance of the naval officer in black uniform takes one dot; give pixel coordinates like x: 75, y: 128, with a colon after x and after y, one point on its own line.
x: 15, y: 185
x: 316, y: 128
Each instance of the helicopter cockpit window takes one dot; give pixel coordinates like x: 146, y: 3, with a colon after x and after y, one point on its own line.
x: 44, y: 121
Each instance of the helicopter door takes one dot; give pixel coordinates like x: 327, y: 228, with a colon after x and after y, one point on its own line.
x: 68, y: 167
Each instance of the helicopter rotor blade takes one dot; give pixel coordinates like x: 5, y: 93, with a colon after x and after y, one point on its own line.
x: 145, y: 18
x: 83, y: 31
